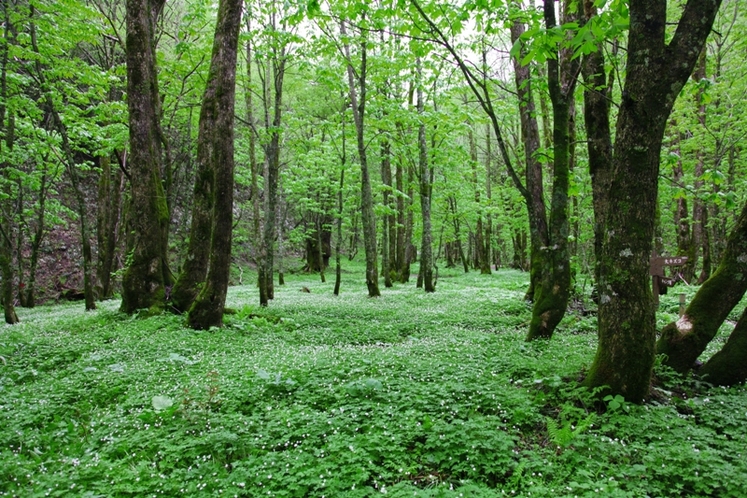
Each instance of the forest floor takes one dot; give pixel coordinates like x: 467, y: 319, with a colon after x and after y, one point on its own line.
x: 410, y: 394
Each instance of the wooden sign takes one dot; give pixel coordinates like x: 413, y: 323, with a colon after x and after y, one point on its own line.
x: 656, y: 270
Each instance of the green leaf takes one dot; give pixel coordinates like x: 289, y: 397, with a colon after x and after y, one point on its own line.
x: 161, y: 403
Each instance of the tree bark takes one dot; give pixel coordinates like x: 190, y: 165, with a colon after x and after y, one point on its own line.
x: 147, y: 274
x: 194, y: 270
x: 729, y: 366
x: 655, y: 74
x: 218, y: 105
x: 8, y: 139
x: 457, y: 232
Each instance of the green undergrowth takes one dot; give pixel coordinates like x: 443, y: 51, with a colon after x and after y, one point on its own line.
x: 410, y: 394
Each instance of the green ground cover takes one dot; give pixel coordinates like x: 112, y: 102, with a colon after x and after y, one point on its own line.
x: 408, y: 395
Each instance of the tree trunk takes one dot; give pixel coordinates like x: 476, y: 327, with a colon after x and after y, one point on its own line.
x: 359, y: 112
x: 109, y: 211
x: 340, y: 205
x: 81, y: 205
x: 399, y: 175
x: 6, y: 268
x: 218, y: 105
x: 683, y: 341
x: 147, y: 275
x: 272, y: 174
x: 320, y: 246
x: 681, y: 220
x: 457, y: 233
x: 701, y: 240
x: 426, y: 188
x: 194, y: 270
x: 254, y: 166
x: 729, y: 366
x: 552, y: 288
x: 487, y: 249
x: 19, y: 209
x: 597, y: 99
x: 36, y: 239
x: 387, y: 256
x: 655, y: 74
x: 480, y: 255
x: 535, y: 200
x: 70, y: 166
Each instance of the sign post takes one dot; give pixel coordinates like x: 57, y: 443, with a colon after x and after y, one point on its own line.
x: 659, y: 281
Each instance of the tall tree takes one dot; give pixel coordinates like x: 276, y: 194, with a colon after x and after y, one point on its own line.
x: 656, y: 71
x: 357, y: 83
x: 147, y: 274
x: 552, y: 288
x: 217, y: 137
x: 211, y: 155
x: 273, y: 78
x: 426, y: 189
x: 7, y: 140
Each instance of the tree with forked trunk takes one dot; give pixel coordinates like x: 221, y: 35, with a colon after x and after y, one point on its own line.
x: 625, y: 184
x: 216, y: 143
x: 147, y: 274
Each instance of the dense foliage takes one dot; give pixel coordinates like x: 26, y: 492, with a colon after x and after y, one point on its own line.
x: 411, y: 394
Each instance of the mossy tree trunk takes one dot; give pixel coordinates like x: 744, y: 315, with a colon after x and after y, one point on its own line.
x: 147, y: 274
x: 6, y: 269
x: 655, y: 74
x: 8, y: 139
x: 597, y: 101
x: 685, y: 340
x: 358, y: 104
x: 195, y: 267
x: 729, y: 366
x: 218, y: 105
x: 552, y: 285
